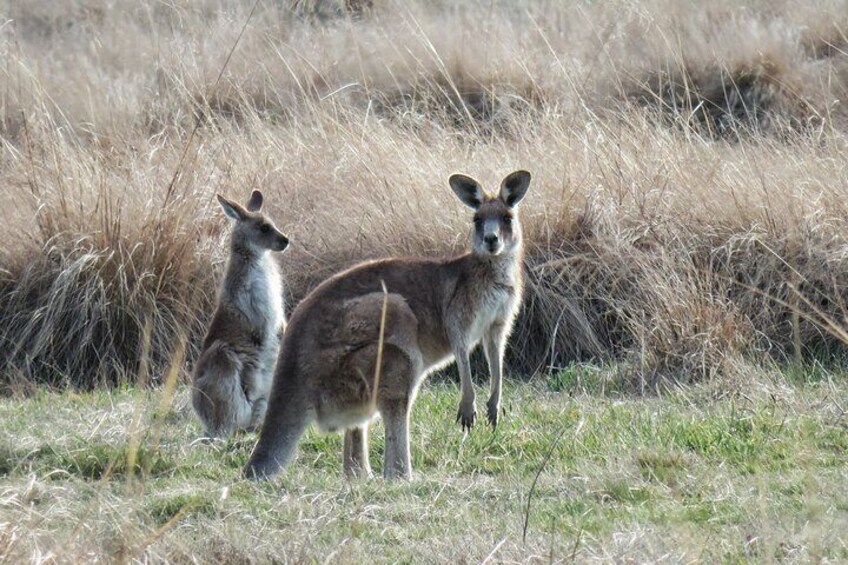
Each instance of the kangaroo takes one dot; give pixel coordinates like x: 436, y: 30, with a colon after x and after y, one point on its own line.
x: 233, y: 375
x: 435, y: 311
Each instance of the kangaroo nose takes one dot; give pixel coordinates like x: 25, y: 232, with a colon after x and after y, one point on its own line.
x: 490, y: 238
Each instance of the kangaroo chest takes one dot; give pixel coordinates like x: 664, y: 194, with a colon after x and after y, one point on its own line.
x: 259, y: 299
x: 496, y: 306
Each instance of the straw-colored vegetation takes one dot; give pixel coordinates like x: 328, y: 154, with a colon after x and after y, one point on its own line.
x: 688, y: 167
x: 686, y: 224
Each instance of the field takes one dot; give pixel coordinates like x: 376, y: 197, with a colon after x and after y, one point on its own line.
x: 700, y: 475
x: 687, y: 270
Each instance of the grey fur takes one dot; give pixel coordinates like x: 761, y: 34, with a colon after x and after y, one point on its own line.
x: 232, y: 378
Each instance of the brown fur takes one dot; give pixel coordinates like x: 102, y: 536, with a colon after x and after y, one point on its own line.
x: 436, y: 310
x: 233, y: 375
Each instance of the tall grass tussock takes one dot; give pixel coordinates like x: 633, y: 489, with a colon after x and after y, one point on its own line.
x: 688, y: 160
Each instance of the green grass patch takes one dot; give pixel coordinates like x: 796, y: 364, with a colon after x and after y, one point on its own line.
x: 89, y: 462
x: 166, y: 508
x: 623, y: 492
x: 664, y: 468
x: 684, y: 474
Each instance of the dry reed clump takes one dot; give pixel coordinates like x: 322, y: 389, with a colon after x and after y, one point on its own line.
x: 677, y: 311
x: 673, y: 254
x: 622, y: 298
x: 81, y: 310
x: 462, y: 102
x: 790, y: 290
x: 98, y: 278
x: 729, y: 72
x: 725, y: 104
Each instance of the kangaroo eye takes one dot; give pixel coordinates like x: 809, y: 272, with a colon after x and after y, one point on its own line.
x: 507, y: 220
x: 264, y: 228
x: 478, y: 222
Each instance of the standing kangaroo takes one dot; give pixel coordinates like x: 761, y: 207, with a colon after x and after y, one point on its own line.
x: 435, y: 311
x: 233, y: 375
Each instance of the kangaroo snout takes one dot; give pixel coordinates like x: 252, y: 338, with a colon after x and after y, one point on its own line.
x: 282, y: 243
x: 492, y: 243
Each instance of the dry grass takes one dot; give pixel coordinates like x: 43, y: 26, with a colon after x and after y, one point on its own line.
x: 699, y: 475
x: 688, y: 169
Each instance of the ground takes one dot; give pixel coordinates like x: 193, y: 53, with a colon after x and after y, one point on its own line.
x: 706, y: 473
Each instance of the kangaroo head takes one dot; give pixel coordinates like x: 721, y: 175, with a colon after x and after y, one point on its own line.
x: 253, y: 229
x: 496, y: 227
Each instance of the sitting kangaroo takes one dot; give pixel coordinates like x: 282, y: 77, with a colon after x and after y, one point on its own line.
x: 435, y: 311
x: 233, y: 375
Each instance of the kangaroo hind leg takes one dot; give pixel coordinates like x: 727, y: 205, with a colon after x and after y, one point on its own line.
x: 217, y: 395
x: 394, y: 400
x: 356, y: 461
x: 397, y: 462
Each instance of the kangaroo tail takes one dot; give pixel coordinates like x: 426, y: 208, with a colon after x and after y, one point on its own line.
x: 285, y: 420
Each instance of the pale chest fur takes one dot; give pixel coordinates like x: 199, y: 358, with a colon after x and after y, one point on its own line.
x: 257, y: 295
x: 497, y: 301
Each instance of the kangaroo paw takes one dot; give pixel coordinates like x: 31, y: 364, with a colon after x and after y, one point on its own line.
x: 493, y: 413
x: 466, y: 416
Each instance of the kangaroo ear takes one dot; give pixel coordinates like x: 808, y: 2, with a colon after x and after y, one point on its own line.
x: 514, y: 187
x: 255, y: 202
x: 468, y: 190
x: 232, y: 209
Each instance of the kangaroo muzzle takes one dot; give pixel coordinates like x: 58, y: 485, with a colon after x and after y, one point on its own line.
x: 282, y: 243
x: 491, y: 236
